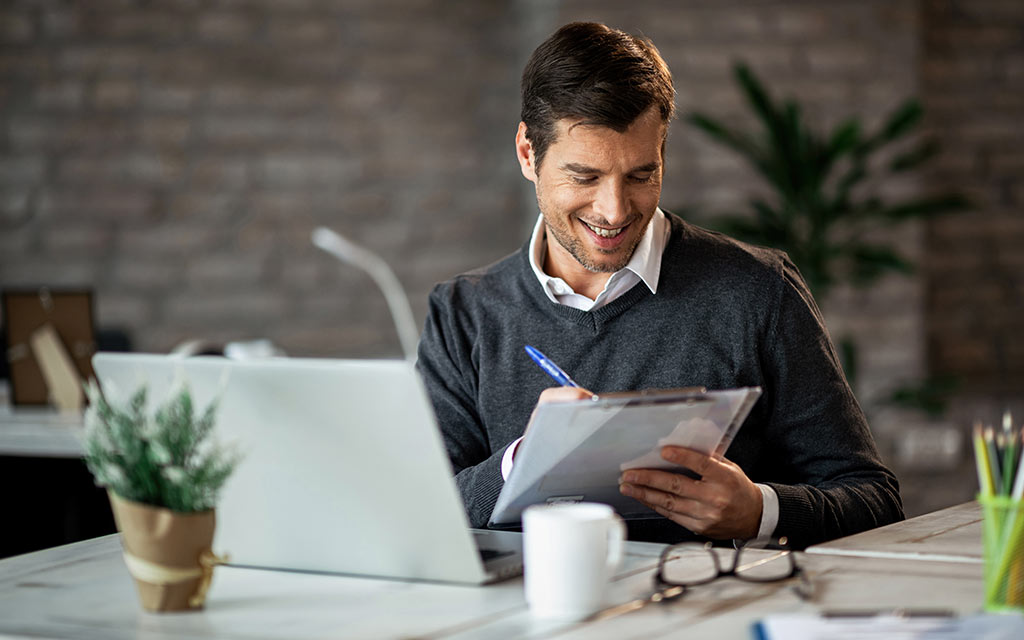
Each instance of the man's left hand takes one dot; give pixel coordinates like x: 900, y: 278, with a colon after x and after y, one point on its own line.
x: 723, y: 504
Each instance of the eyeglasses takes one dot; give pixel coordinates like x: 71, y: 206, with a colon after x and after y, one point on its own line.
x: 702, y: 565
x: 750, y: 564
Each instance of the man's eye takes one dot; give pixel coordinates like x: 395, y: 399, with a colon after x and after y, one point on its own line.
x: 584, y: 179
x: 642, y: 177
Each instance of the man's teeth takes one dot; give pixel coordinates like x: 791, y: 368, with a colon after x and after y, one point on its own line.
x: 605, y: 233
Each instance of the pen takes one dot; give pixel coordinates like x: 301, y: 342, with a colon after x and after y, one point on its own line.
x: 993, y: 459
x: 897, y: 612
x: 550, y: 368
x: 983, y: 463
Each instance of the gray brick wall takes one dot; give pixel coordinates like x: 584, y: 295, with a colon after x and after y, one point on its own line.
x: 175, y: 156
x: 973, y: 78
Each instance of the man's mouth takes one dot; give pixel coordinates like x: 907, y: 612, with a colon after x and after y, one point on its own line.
x: 604, y: 233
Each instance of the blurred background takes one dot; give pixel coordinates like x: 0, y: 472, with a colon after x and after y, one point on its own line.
x: 174, y: 156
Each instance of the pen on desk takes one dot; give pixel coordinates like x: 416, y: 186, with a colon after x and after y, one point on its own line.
x: 897, y: 612
x: 550, y: 368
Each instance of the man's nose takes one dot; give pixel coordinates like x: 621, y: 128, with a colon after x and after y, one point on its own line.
x: 611, y: 202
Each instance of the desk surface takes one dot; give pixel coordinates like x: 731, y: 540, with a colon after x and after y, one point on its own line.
x: 41, y: 432
x: 951, y: 535
x: 84, y: 591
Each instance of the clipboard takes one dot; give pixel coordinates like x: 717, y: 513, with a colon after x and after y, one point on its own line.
x: 576, y: 451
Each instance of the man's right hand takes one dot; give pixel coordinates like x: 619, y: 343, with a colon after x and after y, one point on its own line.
x: 563, y: 394
x: 554, y: 394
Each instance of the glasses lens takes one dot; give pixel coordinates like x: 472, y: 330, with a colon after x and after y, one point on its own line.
x: 688, y: 564
x: 764, y: 565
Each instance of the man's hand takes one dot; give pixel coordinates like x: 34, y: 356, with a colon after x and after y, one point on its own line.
x: 723, y: 504
x: 554, y: 394
x: 563, y: 394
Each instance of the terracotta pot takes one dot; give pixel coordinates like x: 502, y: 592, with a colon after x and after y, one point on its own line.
x: 167, y: 553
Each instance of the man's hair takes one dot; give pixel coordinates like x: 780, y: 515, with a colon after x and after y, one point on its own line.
x: 594, y: 73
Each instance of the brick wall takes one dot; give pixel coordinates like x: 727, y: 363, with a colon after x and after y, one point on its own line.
x: 973, y: 81
x: 175, y: 156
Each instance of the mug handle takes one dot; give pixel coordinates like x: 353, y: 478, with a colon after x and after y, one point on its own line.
x: 616, y: 542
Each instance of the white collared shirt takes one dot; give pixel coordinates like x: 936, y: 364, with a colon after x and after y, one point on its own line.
x: 644, y: 266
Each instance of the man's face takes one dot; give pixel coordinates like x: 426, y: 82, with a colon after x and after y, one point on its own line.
x: 597, y: 190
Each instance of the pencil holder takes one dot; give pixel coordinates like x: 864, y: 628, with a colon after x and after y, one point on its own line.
x: 1003, y: 540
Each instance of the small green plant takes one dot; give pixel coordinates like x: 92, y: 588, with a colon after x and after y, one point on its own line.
x: 164, y: 459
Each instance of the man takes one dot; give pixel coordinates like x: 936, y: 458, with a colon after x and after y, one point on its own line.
x: 624, y: 296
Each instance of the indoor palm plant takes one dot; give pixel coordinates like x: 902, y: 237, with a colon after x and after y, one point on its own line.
x: 824, y: 209
x: 163, y: 477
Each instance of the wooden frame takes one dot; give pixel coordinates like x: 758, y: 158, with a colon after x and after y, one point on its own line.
x: 25, y: 311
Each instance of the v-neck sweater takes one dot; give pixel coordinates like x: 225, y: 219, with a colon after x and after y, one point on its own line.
x: 727, y: 314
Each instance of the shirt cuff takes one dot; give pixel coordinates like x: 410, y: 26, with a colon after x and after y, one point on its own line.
x: 507, y: 461
x: 769, y: 512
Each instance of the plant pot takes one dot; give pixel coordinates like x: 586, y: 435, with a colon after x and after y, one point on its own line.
x: 167, y: 553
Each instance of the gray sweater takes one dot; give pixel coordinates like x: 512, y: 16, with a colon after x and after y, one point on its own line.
x: 726, y: 315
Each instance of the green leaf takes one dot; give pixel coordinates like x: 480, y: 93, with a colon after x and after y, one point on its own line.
x: 926, y: 207
x: 902, y: 120
x: 853, y: 176
x: 869, y: 262
x: 844, y: 138
x: 758, y: 97
x: 899, y: 123
x: 915, y: 157
x: 747, y: 230
x: 735, y: 140
x: 930, y: 395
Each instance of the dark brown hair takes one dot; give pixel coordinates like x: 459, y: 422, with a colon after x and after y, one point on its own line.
x: 597, y: 74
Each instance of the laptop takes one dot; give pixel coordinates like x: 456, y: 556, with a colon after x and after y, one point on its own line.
x: 344, y: 469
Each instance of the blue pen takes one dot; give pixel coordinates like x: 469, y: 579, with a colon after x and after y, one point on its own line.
x: 550, y: 368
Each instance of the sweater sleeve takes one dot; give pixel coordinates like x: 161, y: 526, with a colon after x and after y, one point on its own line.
x: 839, y: 484
x: 446, y: 365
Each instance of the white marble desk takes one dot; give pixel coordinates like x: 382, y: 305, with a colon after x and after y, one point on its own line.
x: 40, y: 432
x: 84, y: 591
x: 949, y: 535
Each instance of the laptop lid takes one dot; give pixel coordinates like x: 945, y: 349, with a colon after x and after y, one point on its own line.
x: 344, y: 469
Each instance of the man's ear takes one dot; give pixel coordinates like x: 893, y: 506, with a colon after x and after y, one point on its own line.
x: 524, y: 152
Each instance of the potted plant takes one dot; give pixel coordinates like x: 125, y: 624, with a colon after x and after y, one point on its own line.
x: 825, y: 208
x: 163, y: 477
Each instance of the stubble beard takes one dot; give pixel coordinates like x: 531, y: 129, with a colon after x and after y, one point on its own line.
x: 575, y: 247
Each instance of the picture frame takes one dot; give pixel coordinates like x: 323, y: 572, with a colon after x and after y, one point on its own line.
x: 27, y: 311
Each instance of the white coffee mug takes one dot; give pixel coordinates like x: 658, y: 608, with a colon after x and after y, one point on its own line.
x: 571, y: 553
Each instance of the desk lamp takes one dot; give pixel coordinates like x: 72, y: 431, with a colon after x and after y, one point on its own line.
x: 398, y: 303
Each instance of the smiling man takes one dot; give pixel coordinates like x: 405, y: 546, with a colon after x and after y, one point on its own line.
x: 625, y: 297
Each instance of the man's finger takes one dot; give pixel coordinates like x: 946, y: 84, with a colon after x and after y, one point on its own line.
x: 666, y: 481
x: 693, y: 524
x: 656, y: 499
x: 696, y: 461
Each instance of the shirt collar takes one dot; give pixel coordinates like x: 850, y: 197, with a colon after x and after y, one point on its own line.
x: 645, y: 262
